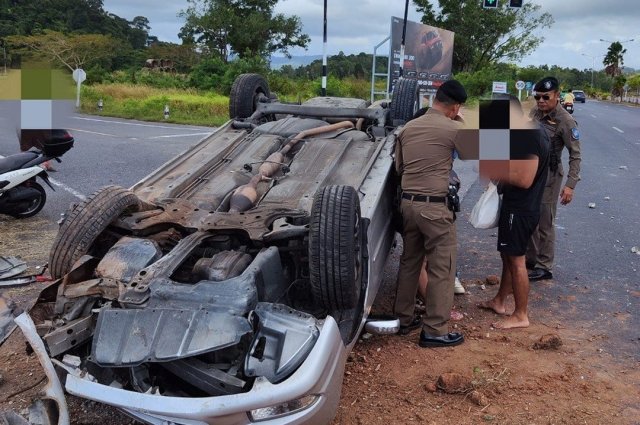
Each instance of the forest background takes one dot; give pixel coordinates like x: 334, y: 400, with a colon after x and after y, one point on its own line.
x: 222, y: 39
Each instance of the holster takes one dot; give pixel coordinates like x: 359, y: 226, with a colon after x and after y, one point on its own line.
x: 553, y: 161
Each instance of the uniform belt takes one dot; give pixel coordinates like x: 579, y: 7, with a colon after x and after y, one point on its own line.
x: 424, y: 198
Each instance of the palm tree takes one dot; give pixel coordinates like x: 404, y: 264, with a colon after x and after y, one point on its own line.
x: 614, y: 59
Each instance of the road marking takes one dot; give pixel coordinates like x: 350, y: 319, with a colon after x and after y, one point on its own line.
x: 65, y: 187
x: 68, y: 189
x: 135, y: 124
x: 94, y: 132
x: 179, y: 135
x: 593, y: 116
x: 617, y: 129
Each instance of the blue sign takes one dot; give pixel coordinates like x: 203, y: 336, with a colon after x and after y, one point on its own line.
x: 528, y: 85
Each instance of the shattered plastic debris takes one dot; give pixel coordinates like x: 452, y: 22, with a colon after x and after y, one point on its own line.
x: 635, y: 250
x: 606, y: 198
x: 592, y: 204
x: 623, y: 167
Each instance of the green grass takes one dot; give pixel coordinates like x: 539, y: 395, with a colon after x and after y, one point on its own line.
x: 147, y: 104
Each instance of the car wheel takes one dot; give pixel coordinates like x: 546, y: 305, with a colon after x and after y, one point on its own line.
x: 34, y: 206
x: 245, y: 94
x: 404, y: 100
x: 335, y: 254
x: 85, y: 222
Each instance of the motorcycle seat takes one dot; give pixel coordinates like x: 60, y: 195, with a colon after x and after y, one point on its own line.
x: 16, y: 161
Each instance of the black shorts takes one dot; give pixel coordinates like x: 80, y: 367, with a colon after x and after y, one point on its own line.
x: 514, y: 232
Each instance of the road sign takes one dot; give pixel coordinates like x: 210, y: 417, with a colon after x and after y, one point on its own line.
x: 79, y: 75
x: 499, y: 87
x: 490, y: 4
x: 528, y: 85
x: 515, y: 3
x: 520, y: 84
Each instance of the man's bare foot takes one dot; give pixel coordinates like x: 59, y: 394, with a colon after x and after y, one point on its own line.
x: 494, y: 306
x: 511, y: 322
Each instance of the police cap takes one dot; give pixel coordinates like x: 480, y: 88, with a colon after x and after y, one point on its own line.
x: 547, y: 84
x: 453, y: 90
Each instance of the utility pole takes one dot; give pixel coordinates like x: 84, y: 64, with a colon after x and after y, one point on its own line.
x: 404, y: 34
x: 324, y: 51
x: 4, y: 54
x: 593, y: 65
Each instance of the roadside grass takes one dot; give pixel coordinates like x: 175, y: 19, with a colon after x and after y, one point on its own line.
x: 146, y: 103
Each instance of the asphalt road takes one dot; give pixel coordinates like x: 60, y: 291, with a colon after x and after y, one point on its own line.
x: 106, y: 151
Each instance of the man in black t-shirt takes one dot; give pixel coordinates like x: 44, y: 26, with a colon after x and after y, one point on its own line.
x: 522, y: 185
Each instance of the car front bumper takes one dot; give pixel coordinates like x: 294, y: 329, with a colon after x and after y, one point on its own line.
x: 320, y: 376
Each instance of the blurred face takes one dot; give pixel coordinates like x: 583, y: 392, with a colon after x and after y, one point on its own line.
x: 547, y: 100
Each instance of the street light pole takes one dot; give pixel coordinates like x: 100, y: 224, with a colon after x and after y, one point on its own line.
x: 593, y: 65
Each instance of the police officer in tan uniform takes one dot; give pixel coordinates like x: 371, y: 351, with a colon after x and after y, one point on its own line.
x: 563, y: 132
x: 423, y: 157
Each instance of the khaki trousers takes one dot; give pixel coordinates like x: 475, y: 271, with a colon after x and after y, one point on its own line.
x: 429, y: 230
x: 541, y: 248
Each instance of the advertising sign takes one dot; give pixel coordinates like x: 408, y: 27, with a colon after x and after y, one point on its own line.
x: 428, y: 54
x: 499, y: 87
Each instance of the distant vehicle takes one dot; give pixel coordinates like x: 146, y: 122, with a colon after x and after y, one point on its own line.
x: 230, y: 285
x: 579, y: 96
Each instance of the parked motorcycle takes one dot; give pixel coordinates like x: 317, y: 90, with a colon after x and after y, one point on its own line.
x: 21, y: 196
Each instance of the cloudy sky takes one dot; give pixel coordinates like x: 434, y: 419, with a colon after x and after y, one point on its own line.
x: 358, y: 25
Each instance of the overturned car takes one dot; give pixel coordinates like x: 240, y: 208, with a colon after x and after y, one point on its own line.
x: 229, y: 285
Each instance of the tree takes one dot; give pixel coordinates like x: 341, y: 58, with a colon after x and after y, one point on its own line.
x: 73, y: 51
x: 614, y: 59
x: 484, y: 37
x: 246, y: 27
x: 634, y: 83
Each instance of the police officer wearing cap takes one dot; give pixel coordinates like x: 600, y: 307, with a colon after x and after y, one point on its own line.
x: 423, y: 159
x: 563, y: 132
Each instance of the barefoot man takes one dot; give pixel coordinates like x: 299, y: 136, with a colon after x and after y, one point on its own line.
x: 522, y: 181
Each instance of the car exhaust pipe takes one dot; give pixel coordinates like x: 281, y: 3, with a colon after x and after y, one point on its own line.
x: 245, y: 196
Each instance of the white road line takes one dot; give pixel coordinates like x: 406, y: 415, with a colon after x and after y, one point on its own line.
x: 68, y: 189
x: 65, y: 187
x: 617, y: 129
x: 93, y: 132
x: 135, y: 124
x: 593, y: 116
x: 179, y: 135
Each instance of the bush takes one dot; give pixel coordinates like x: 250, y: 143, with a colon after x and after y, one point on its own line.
x: 208, y: 74
x: 161, y: 80
x: 215, y: 75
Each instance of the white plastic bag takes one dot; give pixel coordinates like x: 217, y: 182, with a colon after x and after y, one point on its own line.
x: 486, y: 211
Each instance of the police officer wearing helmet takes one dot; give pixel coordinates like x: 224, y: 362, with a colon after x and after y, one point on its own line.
x: 423, y: 159
x: 563, y: 132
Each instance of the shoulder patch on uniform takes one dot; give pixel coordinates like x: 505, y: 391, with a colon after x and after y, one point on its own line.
x: 575, y: 133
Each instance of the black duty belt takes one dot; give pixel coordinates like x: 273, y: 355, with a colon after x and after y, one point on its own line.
x: 424, y: 198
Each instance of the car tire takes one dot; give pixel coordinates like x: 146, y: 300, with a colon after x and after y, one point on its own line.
x: 335, y: 252
x: 35, y: 206
x: 404, y: 100
x: 245, y: 94
x: 85, y: 222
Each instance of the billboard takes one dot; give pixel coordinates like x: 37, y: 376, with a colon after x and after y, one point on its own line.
x: 428, y: 54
